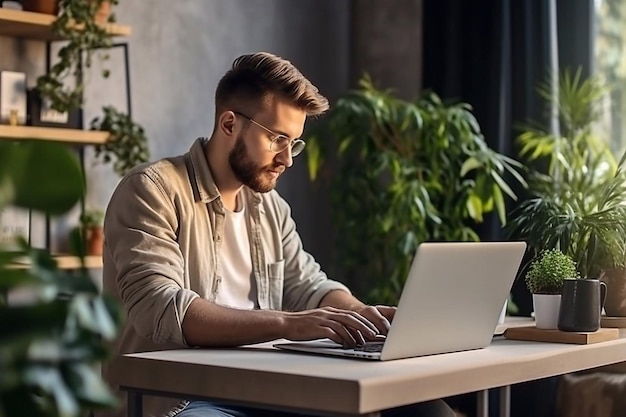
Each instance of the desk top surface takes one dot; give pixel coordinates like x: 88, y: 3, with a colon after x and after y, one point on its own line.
x: 260, y: 374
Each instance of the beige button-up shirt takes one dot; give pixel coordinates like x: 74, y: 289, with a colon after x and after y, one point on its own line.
x: 163, y: 233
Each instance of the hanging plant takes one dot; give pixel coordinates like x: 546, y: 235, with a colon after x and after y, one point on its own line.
x: 127, y: 144
x: 80, y: 23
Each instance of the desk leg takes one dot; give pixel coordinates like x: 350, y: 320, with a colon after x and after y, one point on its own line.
x: 482, y: 409
x: 505, y: 401
x: 135, y: 404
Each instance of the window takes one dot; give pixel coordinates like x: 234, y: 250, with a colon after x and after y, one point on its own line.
x: 610, y: 62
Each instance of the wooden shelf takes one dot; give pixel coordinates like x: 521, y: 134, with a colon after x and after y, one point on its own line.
x: 73, y: 262
x: 68, y: 262
x: 28, y: 25
x: 72, y: 136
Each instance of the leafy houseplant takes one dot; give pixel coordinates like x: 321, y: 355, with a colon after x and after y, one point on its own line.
x: 406, y: 172
x: 78, y: 23
x: 548, y: 272
x: 50, y: 343
x: 578, y: 206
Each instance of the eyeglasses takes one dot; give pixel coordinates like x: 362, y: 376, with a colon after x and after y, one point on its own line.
x: 279, y: 142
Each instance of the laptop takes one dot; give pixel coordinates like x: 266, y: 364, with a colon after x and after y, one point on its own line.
x: 451, y: 302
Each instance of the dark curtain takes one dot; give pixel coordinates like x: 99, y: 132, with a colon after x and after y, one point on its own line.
x: 493, y: 54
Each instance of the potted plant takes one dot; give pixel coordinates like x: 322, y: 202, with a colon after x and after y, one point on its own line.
x: 91, y: 228
x: 544, y: 280
x: 579, y: 205
x: 79, y: 23
x: 403, y: 172
x: 50, y: 344
x: 40, y: 6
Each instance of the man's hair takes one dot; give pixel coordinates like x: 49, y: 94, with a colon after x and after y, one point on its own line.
x: 254, y: 78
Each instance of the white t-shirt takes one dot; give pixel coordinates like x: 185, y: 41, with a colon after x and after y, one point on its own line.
x: 237, y: 290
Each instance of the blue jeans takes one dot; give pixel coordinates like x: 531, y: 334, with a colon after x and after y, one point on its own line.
x: 436, y: 408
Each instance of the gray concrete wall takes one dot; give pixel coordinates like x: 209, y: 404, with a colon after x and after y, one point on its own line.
x: 386, y: 43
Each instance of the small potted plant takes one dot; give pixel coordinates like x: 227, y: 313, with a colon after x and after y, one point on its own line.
x: 91, y: 227
x: 544, y: 280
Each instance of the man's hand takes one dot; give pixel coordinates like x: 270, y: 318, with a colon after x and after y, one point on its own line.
x: 380, y: 316
x: 346, y: 327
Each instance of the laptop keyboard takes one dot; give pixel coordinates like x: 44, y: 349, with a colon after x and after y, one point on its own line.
x: 369, y: 347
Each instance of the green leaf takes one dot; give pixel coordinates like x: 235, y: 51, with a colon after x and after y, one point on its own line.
x: 500, y: 206
x: 503, y: 185
x: 51, y: 382
x: 46, y: 177
x: 314, y: 157
x: 469, y: 165
x: 475, y: 207
x: 343, y: 145
x: 89, y: 387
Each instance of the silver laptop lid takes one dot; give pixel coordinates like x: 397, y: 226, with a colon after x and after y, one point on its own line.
x: 452, y: 297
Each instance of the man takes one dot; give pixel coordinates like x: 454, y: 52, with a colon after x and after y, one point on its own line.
x: 202, y: 251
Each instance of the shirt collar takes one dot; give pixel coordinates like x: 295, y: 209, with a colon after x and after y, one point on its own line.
x: 203, y: 178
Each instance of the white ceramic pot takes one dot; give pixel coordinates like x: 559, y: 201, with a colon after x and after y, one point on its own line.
x: 546, y: 310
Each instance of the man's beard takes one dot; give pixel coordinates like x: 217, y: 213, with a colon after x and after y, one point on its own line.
x: 247, y: 172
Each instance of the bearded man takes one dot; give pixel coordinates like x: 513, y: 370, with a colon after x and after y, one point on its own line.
x: 202, y: 251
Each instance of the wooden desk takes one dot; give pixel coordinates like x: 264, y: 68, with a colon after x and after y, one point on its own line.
x: 264, y: 377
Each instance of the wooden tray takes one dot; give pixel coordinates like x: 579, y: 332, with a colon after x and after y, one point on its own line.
x: 608, y: 321
x: 556, y: 336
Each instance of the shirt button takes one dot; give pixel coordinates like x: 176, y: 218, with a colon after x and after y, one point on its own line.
x: 219, y: 238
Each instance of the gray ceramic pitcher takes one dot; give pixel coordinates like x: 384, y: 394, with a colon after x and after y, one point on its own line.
x: 581, y: 304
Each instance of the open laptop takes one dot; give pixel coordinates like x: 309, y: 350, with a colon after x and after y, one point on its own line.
x: 451, y: 302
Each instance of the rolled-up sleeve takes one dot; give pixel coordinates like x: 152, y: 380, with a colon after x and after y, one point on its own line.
x: 147, y: 263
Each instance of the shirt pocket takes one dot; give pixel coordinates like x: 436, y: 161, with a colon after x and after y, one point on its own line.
x: 276, y: 279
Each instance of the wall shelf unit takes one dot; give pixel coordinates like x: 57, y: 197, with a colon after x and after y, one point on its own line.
x: 28, y: 25
x: 20, y: 24
x: 69, y: 262
x: 55, y: 134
